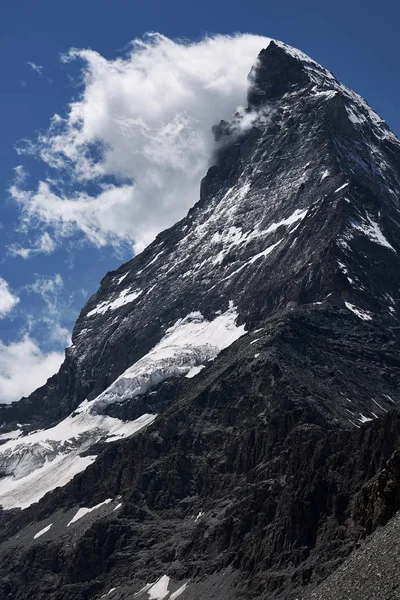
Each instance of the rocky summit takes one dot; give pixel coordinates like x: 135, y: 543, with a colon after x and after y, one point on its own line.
x: 225, y: 424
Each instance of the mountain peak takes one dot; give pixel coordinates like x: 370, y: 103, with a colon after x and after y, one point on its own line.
x: 276, y: 72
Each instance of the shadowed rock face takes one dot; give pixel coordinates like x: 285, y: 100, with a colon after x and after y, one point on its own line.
x: 262, y: 472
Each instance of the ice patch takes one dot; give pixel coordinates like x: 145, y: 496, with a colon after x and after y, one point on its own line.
x: 42, y: 531
x: 84, y: 511
x: 124, y: 298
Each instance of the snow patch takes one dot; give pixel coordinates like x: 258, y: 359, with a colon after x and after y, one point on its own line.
x: 194, y: 371
x: 189, y: 343
x: 84, y: 511
x: 263, y: 253
x: 372, y: 230
x: 42, y: 531
x: 120, y: 279
x: 21, y: 493
x: 124, y: 298
x: 43, y: 460
x: 298, y: 215
x: 361, y: 314
x: 159, y: 590
x: 364, y: 419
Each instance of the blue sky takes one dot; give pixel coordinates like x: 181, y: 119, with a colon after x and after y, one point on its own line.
x: 50, y: 264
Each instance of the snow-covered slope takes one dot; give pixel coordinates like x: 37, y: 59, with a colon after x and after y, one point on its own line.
x: 36, y: 463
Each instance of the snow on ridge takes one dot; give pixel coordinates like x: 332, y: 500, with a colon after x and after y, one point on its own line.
x: 36, y: 463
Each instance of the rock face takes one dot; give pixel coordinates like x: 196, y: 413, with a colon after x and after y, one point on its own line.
x: 253, y: 350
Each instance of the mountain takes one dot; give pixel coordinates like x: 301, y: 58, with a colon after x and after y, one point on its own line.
x: 225, y: 424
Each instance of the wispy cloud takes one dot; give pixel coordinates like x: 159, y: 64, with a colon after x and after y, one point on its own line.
x: 44, y: 244
x: 50, y: 290
x: 135, y: 145
x: 37, y: 68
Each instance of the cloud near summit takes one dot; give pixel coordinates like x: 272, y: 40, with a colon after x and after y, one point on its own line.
x: 132, y: 149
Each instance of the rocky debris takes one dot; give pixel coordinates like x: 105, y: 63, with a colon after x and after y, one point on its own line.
x: 372, y: 571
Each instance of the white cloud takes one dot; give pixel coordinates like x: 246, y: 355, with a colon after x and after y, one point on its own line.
x: 44, y: 244
x: 37, y: 68
x: 20, y: 174
x: 24, y: 367
x: 7, y: 299
x: 145, y: 120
